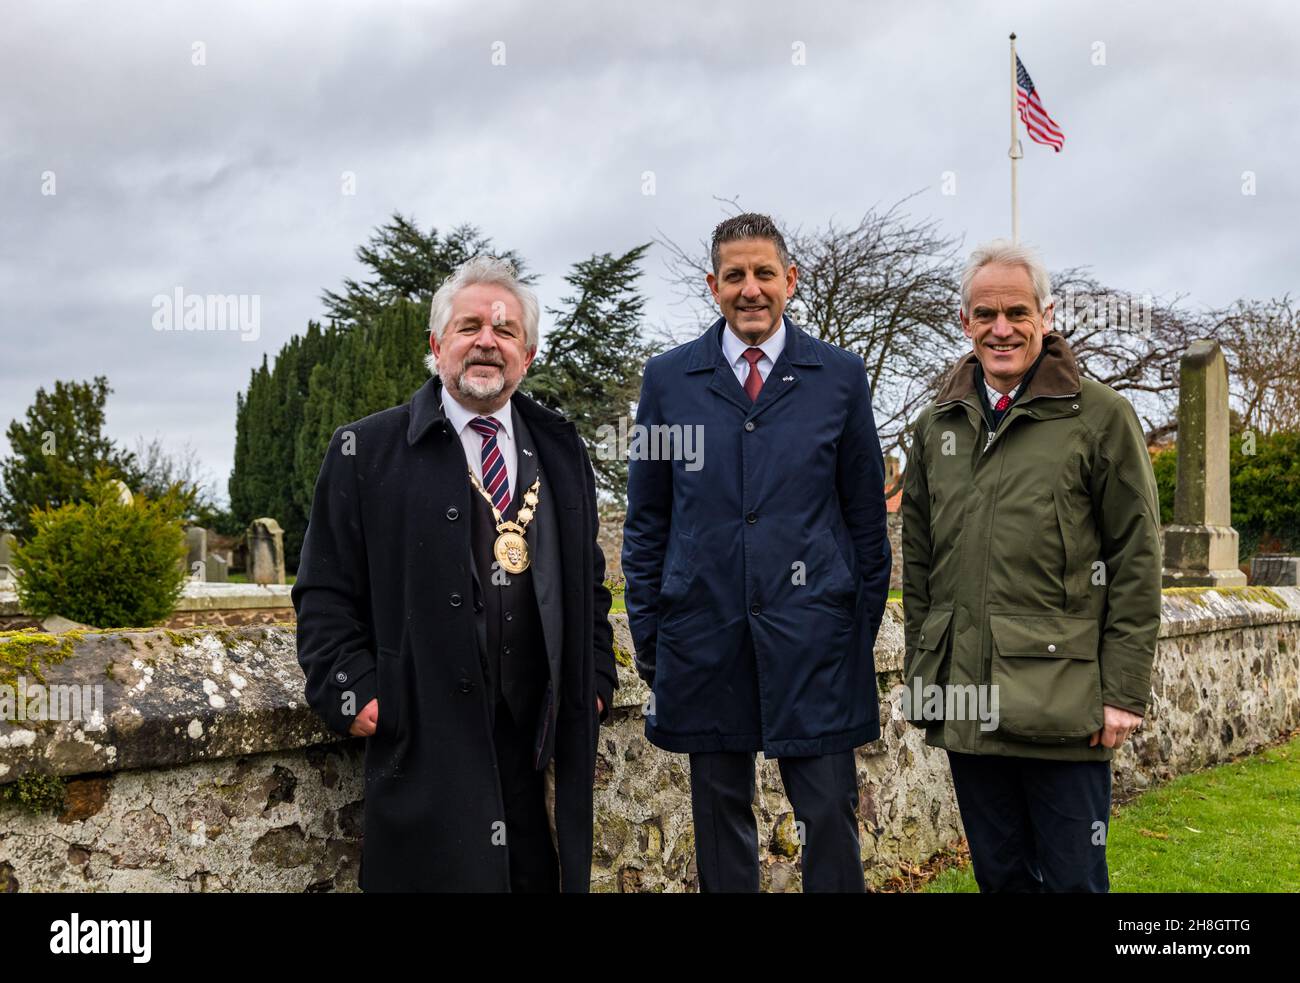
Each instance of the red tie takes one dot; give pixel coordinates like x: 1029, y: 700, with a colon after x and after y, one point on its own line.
x: 1003, y: 402
x: 753, y: 381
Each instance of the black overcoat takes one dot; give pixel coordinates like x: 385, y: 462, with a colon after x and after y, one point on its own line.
x: 385, y: 603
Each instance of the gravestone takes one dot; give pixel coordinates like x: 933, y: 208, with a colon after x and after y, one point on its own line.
x: 1275, y: 570
x: 265, y: 552
x: 1201, y: 545
x: 7, y: 543
x: 196, y: 549
x: 216, y: 569
x: 124, y: 495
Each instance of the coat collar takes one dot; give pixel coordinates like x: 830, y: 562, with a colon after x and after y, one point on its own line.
x: 1057, y: 374
x: 706, y: 350
x: 426, y: 412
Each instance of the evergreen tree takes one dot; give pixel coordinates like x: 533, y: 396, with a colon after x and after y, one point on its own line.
x: 267, y: 420
x: 407, y: 264
x: 57, y: 451
x: 376, y: 365
x: 591, y: 367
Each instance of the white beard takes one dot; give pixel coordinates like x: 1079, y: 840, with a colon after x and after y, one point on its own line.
x: 480, y: 390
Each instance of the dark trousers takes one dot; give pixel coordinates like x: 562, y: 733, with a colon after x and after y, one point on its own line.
x: 1034, y: 825
x: 534, y: 866
x: 824, y: 793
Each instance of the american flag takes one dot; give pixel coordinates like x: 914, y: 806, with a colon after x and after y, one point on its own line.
x: 1041, y: 127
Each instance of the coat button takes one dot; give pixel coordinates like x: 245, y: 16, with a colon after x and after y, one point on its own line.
x: 749, y: 426
x: 755, y: 609
x: 751, y: 518
x: 341, y: 676
x: 478, y: 605
x: 1051, y: 648
x: 509, y: 616
x: 466, y: 686
x: 923, y: 636
x: 455, y: 600
x: 453, y: 513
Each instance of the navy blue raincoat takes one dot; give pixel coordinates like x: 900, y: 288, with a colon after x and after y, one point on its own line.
x: 756, y: 556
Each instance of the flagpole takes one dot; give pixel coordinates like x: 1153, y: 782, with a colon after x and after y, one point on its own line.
x: 1014, y: 153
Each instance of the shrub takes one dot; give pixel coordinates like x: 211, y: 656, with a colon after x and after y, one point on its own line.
x: 1265, y: 490
x: 103, y: 563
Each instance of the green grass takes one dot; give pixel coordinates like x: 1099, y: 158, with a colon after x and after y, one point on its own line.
x: 1229, y: 828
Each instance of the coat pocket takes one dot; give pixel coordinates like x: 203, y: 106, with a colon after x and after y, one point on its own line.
x: 677, y: 572
x: 842, y: 586
x: 1047, y: 677
x: 927, y: 666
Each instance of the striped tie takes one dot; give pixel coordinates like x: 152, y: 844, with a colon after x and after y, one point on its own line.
x: 494, y: 462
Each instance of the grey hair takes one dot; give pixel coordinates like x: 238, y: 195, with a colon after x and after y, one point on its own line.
x: 1004, y: 253
x: 481, y: 269
x: 750, y: 225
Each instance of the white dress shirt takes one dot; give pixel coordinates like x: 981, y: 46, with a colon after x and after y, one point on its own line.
x: 994, y: 395
x: 459, y: 417
x: 733, y: 350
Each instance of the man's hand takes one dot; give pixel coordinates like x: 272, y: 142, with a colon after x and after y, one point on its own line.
x: 600, y: 705
x: 364, y: 724
x: 1117, y: 727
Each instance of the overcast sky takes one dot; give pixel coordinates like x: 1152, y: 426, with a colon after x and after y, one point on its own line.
x: 226, y: 177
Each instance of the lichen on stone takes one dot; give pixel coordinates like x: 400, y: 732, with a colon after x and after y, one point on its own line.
x: 27, y: 652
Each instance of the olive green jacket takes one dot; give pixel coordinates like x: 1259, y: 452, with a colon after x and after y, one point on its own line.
x: 1031, y: 566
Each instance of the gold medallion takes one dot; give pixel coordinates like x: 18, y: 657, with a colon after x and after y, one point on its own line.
x: 511, y: 551
x: 510, y: 548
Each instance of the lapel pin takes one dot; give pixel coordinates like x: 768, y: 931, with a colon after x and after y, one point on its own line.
x: 787, y: 378
x: 527, y: 451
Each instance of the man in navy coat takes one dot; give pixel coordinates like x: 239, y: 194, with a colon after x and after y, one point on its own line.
x: 758, y: 567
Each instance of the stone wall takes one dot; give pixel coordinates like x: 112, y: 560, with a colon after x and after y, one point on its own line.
x: 210, y: 774
x: 200, y: 603
x: 895, y: 527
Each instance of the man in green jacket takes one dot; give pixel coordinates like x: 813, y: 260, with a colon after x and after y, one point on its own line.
x: 1031, y: 584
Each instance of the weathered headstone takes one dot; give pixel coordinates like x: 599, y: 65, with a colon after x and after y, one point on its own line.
x: 1201, y: 545
x: 124, y: 495
x: 265, y: 552
x: 196, y: 548
x: 216, y: 569
x: 1275, y: 570
x: 7, y: 543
